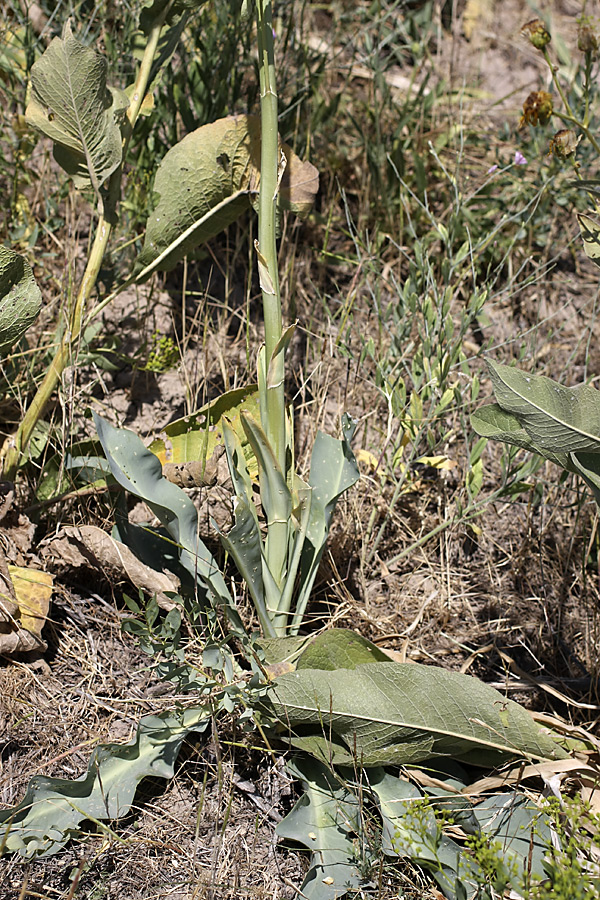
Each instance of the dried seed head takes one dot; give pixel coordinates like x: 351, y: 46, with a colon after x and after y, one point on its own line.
x: 537, y: 109
x: 564, y: 143
x: 536, y: 33
x: 586, y: 39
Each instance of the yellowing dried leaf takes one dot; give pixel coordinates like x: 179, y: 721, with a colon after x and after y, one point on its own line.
x: 33, y: 590
x: 274, y: 670
x: 24, y: 613
x: 437, y: 462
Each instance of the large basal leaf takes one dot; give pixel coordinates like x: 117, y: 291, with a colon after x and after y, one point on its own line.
x: 410, y: 829
x: 522, y: 830
x: 139, y: 471
x: 53, y: 809
x: 73, y: 106
x: 207, y: 180
x: 556, y: 418
x: 20, y: 297
x: 401, y: 713
x: 324, y: 820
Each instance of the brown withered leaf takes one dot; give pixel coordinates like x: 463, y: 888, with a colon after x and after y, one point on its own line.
x: 89, y: 546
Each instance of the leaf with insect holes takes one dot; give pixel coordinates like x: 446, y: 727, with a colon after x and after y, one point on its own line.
x: 20, y: 298
x: 54, y: 809
x: 196, y: 438
x: 590, y: 233
x: 72, y: 104
x: 139, y: 471
x: 324, y: 820
x: 388, y: 713
x: 207, y: 180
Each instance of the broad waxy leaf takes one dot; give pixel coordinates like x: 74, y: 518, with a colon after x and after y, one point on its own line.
x: 333, y: 471
x: 53, y: 809
x: 139, y: 471
x: 324, y: 820
x: 409, y: 828
x: 20, y: 297
x: 556, y: 418
x: 401, y: 713
x: 73, y: 106
x: 207, y: 180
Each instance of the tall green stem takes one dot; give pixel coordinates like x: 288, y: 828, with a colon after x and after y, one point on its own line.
x: 273, y: 371
x: 274, y: 421
x: 14, y: 447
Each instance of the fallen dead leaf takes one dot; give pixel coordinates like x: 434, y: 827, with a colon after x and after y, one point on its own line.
x: 89, y: 546
x: 24, y: 610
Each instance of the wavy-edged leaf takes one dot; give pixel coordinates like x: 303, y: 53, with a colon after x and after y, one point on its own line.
x: 20, y: 297
x: 400, y: 713
x: 139, y: 471
x: 590, y: 232
x: 410, y: 829
x: 557, y: 419
x: 207, y: 180
x: 53, y: 809
x: 73, y: 106
x: 324, y: 820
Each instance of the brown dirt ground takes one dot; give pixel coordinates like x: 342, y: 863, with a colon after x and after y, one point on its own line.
x: 521, y: 588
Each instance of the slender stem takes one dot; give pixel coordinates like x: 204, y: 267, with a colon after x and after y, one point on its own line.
x: 274, y: 421
x: 557, y: 84
x: 14, y: 447
x: 273, y: 370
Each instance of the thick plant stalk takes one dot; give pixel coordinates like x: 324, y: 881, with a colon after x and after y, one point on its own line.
x: 273, y: 417
x: 14, y: 446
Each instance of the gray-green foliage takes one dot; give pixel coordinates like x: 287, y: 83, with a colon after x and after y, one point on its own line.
x: 72, y: 104
x: 53, y: 809
x: 324, y: 820
x: 503, y: 838
x: 20, y: 297
x: 207, y: 180
x: 387, y: 713
x: 561, y: 424
x: 139, y: 471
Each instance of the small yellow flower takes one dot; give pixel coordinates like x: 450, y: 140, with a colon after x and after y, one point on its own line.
x: 537, y: 33
x: 537, y: 109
